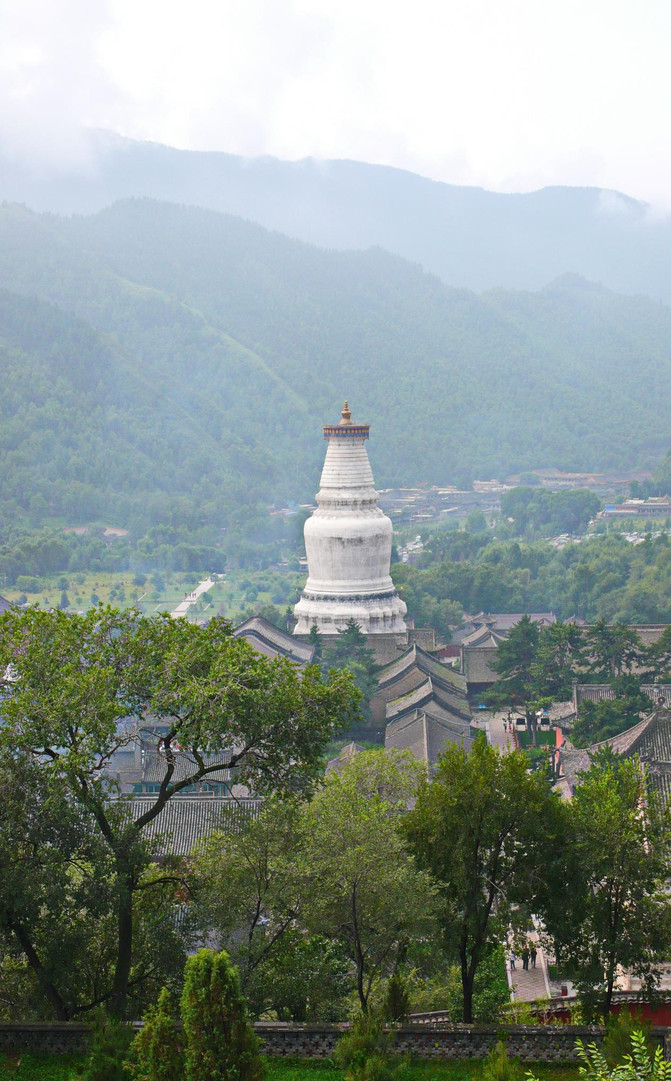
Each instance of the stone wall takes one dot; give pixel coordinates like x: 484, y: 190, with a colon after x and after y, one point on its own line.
x: 52, y: 1039
x: 530, y: 1043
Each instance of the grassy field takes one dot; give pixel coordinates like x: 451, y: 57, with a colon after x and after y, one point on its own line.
x: 232, y: 594
x: 68, y: 1068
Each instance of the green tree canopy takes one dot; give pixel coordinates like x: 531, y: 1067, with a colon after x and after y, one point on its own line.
x: 72, y: 682
x: 362, y: 888
x: 485, y: 828
x: 614, y: 909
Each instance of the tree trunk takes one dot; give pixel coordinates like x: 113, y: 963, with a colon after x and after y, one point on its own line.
x: 359, y: 986
x: 119, y: 998
x: 53, y: 997
x: 466, y: 987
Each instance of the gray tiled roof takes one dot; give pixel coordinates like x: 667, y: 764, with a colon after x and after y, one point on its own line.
x: 154, y: 768
x: 397, y: 668
x: 476, y: 661
x: 184, y: 821
x: 272, y: 642
x: 426, y: 694
x: 503, y: 622
x: 482, y: 637
x: 335, y: 765
x: 416, y: 657
x: 659, y: 693
x: 426, y: 735
x: 650, y: 739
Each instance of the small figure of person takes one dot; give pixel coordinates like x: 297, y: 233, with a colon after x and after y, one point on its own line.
x: 525, y: 958
x: 533, y: 953
x: 512, y: 960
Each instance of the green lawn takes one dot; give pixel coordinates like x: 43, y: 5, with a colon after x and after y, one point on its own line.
x: 543, y: 739
x: 232, y: 594
x: 30, y: 1067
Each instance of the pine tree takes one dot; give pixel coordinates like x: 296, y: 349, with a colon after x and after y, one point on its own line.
x: 156, y: 1048
x: 219, y: 1042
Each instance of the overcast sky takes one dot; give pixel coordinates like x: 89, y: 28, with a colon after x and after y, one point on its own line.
x: 507, y: 94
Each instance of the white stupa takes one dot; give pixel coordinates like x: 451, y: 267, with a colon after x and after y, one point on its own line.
x: 348, y: 544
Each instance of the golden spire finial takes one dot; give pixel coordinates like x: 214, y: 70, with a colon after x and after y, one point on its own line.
x: 346, y: 414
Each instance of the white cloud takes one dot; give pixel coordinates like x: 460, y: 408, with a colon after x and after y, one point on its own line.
x: 509, y: 96
x: 51, y: 83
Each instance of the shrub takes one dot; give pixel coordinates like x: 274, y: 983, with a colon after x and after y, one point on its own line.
x: 396, y: 1006
x: 365, y: 1052
x: 27, y: 583
x: 219, y: 1042
x: 109, y: 1046
x: 156, y: 1049
x: 618, y: 1041
x: 498, y: 1067
x: 640, y: 1065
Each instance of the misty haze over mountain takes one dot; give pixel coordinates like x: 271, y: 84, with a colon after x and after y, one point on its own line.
x: 169, y: 364
x: 470, y: 237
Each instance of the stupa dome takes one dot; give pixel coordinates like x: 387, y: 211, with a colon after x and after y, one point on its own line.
x: 348, y: 544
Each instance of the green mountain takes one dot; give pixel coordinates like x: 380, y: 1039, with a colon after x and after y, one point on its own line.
x: 469, y: 237
x: 167, y: 364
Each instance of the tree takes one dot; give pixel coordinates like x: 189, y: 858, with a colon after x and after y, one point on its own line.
x: 362, y: 889
x: 71, y: 682
x: 348, y: 652
x: 559, y: 654
x: 515, y: 663
x: 475, y: 522
x: 484, y: 827
x: 658, y: 658
x: 219, y: 1041
x: 55, y: 896
x: 616, y: 911
x: 156, y: 1048
x: 613, y: 649
x: 535, y: 666
x: 248, y: 890
x: 608, y: 717
x: 315, y: 639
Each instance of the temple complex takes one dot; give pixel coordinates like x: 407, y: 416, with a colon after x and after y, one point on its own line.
x: 348, y: 544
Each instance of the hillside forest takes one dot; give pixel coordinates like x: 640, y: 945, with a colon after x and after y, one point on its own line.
x: 171, y: 367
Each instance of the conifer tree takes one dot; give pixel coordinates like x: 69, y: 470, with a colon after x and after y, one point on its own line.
x: 219, y: 1042
x: 157, y: 1051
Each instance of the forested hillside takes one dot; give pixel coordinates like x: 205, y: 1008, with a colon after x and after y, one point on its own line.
x: 470, y: 237
x: 174, y: 365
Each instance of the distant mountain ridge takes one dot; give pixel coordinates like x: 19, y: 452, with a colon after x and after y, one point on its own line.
x: 469, y: 237
x: 168, y: 364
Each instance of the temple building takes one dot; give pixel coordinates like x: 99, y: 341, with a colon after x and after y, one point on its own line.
x: 348, y: 544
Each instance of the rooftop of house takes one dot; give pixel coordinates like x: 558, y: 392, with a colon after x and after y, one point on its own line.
x: 426, y: 735
x: 416, y: 657
x: 185, y: 821
x: 334, y: 765
x: 272, y: 642
x: 650, y: 739
x: 502, y: 622
x: 435, y: 698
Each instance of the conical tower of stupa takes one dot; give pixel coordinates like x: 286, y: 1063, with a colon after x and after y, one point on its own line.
x: 348, y: 544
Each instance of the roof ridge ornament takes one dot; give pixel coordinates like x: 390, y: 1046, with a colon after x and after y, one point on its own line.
x: 346, y: 415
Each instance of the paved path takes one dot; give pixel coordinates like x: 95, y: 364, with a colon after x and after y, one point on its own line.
x: 530, y: 985
x: 497, y: 735
x: 182, y: 609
